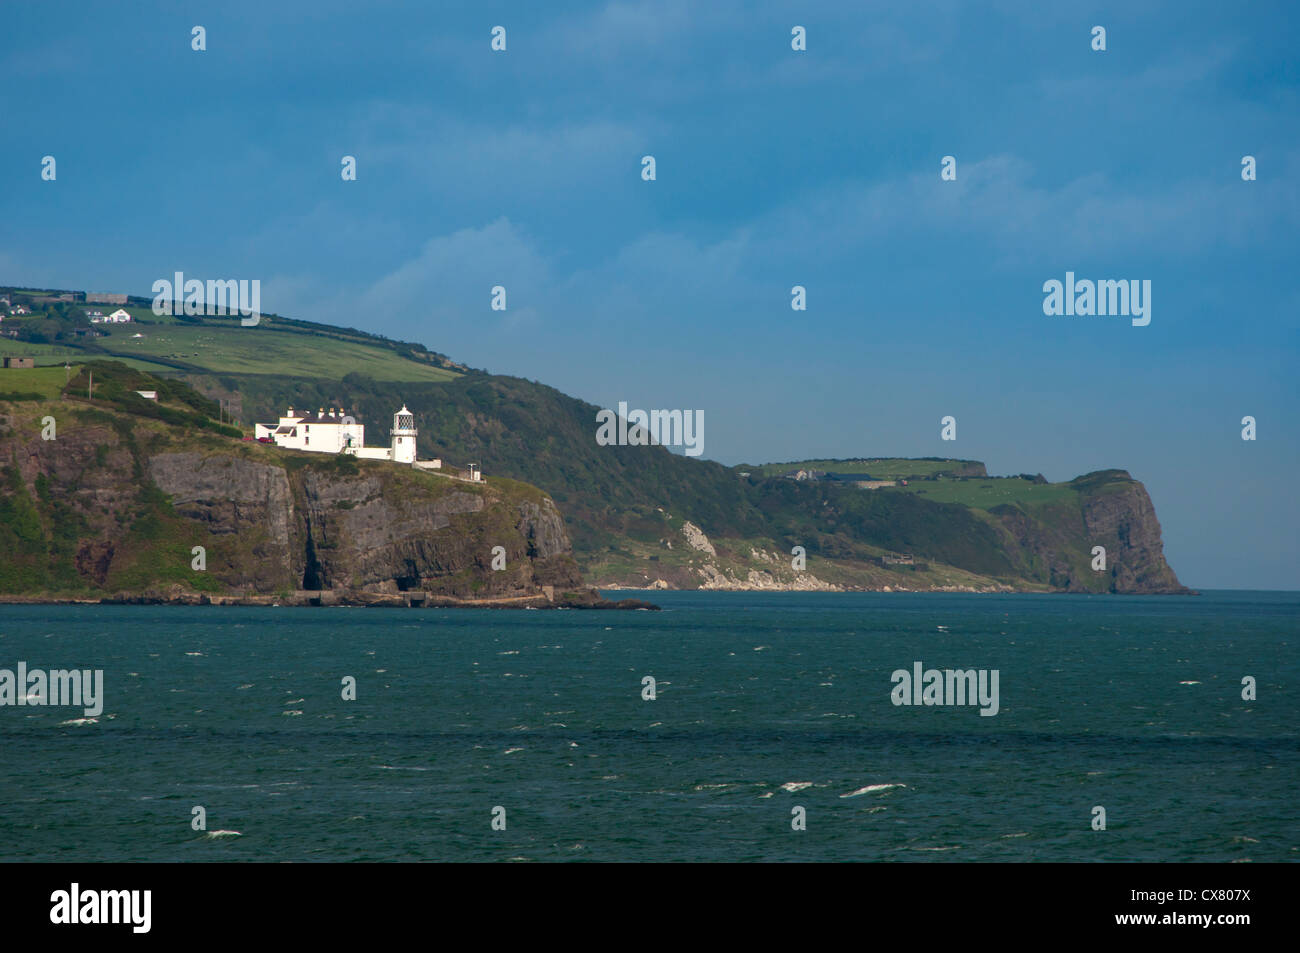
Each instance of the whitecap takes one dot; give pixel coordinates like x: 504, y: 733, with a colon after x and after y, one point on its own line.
x: 79, y: 721
x: 873, y: 787
x: 213, y: 835
x: 793, y: 786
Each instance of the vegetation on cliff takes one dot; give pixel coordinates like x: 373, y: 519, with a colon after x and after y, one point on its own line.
x: 108, y: 497
x: 625, y: 507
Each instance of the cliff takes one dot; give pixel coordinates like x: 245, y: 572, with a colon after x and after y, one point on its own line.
x: 625, y: 507
x: 1054, y: 542
x: 113, y: 506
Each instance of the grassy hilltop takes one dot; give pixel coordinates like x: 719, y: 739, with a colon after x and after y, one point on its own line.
x: 642, y: 516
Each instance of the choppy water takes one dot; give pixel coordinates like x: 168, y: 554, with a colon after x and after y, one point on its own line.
x: 1130, y: 703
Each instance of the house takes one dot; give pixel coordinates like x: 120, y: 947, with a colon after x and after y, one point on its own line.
x: 118, y: 317
x: 802, y: 475
x: 20, y: 362
x: 333, y: 432
x: 148, y: 394
x: 95, y: 316
x: 19, y: 310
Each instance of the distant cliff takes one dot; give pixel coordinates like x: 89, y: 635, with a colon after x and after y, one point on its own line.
x: 849, y: 539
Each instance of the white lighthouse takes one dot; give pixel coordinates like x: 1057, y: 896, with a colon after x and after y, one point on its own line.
x: 403, y: 434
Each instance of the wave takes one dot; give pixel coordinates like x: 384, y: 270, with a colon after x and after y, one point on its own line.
x: 870, y: 788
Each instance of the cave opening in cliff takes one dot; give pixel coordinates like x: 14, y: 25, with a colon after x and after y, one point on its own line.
x: 410, y: 579
x: 312, y: 577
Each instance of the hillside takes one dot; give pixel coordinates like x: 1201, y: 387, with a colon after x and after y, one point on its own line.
x: 642, y: 516
x: 111, y: 502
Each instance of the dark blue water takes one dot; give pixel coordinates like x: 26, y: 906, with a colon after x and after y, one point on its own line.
x: 1129, y: 703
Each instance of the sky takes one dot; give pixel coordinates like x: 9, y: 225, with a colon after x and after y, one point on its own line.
x: 773, y: 168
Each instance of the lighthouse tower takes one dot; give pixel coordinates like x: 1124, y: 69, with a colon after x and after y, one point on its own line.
x: 403, y: 433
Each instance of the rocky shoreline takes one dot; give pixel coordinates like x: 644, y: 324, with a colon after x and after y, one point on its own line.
x: 177, y: 596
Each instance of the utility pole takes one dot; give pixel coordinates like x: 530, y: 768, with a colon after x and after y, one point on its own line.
x: 90, y: 386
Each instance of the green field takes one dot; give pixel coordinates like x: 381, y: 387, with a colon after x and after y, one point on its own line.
x: 264, y: 349
x: 55, y: 355
x: 44, y: 353
x: 983, y: 493
x: 46, y: 381
x: 276, y: 346
x: 884, y: 468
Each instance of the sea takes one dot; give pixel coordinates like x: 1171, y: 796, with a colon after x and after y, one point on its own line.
x: 752, y: 727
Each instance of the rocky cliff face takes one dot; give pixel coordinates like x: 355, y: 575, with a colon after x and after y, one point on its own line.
x: 1054, y: 544
x: 1120, y: 517
x: 116, y: 503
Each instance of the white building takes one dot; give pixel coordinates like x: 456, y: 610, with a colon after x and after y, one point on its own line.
x: 336, y: 432
x: 118, y: 317
x: 320, y: 432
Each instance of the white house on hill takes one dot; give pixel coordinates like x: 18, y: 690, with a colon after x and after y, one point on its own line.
x: 117, y: 317
x: 336, y: 432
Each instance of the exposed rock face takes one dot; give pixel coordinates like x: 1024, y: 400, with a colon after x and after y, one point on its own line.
x: 713, y: 578
x: 235, y: 497
x: 696, y: 539
x: 1123, y: 520
x: 1114, y: 511
x: 119, y: 504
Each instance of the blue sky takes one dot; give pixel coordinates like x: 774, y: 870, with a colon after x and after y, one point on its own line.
x: 775, y: 168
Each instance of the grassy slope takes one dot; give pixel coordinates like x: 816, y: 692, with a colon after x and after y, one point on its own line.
x: 882, y: 468
x: 46, y: 381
